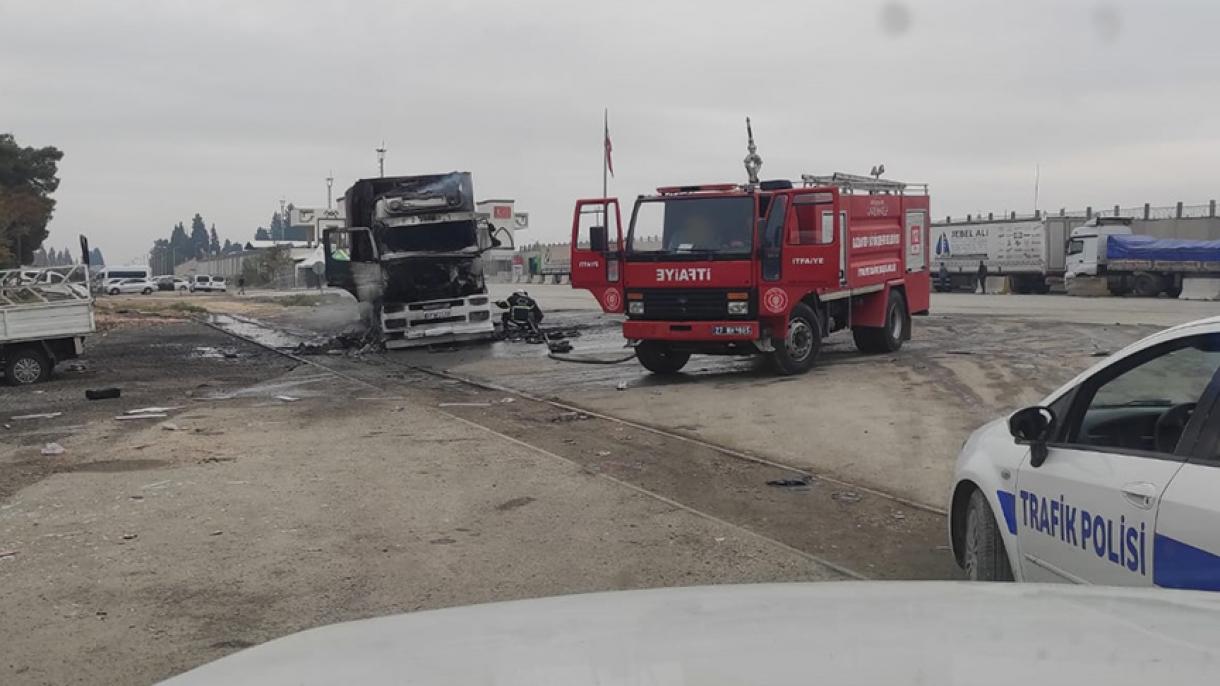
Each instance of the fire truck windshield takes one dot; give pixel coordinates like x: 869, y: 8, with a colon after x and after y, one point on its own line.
x: 694, y: 227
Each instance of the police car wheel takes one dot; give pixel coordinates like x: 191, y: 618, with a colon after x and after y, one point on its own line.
x: 798, y: 352
x: 659, y: 358
x: 983, y: 555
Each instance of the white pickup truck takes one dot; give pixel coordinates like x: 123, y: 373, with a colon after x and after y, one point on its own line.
x: 45, y: 315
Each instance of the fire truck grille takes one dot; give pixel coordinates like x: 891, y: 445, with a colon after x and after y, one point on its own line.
x: 682, y: 304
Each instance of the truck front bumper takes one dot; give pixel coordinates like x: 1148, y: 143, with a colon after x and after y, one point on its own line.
x: 717, y: 331
x: 407, y: 325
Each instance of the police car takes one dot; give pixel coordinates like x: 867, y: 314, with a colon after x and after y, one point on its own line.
x: 1113, y: 479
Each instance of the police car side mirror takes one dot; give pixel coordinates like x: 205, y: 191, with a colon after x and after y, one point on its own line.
x: 1032, y: 426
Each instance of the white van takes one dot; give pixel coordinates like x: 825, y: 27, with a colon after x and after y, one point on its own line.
x: 204, y: 282
x: 107, y: 275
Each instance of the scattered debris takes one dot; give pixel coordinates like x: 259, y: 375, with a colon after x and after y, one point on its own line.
x: 136, y: 497
x: 846, y: 496
x: 899, y: 516
x: 508, y: 400
x: 603, y: 453
x: 1100, y: 353
x: 437, y: 541
x: 42, y: 415
x: 130, y: 537
x: 719, y: 539
x: 960, y: 352
x: 39, y: 392
x: 154, y: 410
x: 514, y: 503
x: 622, y: 386
x: 102, y: 393
x: 216, y: 460
x: 569, y: 417
x: 75, y: 366
x: 52, y: 449
x: 287, y: 398
x: 216, y: 533
x: 169, y: 426
x: 804, y: 480
x: 464, y: 405
x: 150, y: 415
x: 5, y: 554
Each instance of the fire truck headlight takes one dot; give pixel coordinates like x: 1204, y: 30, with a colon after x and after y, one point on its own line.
x: 635, y: 307
x: 739, y: 307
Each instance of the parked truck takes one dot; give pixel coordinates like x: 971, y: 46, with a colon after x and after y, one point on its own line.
x: 1030, y: 252
x: 761, y: 268
x: 410, y: 253
x: 45, y: 315
x: 1144, y: 266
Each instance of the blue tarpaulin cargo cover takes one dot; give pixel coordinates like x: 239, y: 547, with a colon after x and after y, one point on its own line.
x: 1121, y: 247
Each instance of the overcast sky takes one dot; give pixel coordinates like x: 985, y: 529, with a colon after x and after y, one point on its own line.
x: 166, y: 108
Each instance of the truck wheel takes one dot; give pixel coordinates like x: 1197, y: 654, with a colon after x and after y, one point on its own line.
x: 888, y: 338
x: 1146, y: 286
x: 659, y: 358
x: 983, y: 556
x: 799, y: 350
x: 26, y: 365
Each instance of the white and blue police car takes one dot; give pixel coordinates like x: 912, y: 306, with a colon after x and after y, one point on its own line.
x: 1113, y: 479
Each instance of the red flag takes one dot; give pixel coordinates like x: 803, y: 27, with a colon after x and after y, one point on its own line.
x: 609, y: 148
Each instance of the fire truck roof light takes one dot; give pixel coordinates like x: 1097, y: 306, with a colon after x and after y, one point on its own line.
x: 669, y: 190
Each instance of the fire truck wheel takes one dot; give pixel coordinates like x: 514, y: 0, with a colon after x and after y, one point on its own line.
x: 799, y: 349
x: 888, y: 338
x: 658, y: 358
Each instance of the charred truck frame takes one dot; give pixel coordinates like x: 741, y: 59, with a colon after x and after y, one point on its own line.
x: 411, y: 253
x: 762, y: 268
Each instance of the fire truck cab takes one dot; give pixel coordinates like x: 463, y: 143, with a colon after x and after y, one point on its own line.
x: 765, y: 268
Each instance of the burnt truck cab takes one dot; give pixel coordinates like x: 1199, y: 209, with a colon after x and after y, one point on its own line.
x: 769, y: 268
x: 412, y: 251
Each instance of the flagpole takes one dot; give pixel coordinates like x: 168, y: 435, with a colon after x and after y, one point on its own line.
x: 605, y: 152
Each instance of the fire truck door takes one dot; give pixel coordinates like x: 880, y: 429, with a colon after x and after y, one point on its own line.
x: 814, y: 241
x: 597, y: 251
x: 915, y: 236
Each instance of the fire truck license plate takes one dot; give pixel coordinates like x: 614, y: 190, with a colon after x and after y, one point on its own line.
x: 732, y: 330
x: 436, y: 314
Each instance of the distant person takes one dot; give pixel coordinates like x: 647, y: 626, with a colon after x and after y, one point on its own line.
x: 241, y: 285
x: 943, y: 277
x: 982, y: 277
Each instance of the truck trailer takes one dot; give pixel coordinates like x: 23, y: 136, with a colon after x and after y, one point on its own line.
x: 1143, y: 266
x: 1030, y: 252
x: 410, y: 253
x: 767, y: 268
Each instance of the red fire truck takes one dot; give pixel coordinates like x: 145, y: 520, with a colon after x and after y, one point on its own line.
x: 767, y: 268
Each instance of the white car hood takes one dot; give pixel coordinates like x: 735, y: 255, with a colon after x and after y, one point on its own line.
x: 816, y: 633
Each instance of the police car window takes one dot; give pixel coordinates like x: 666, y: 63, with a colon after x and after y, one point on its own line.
x: 1124, y: 412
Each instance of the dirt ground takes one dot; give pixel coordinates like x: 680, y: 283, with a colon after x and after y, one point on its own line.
x: 282, y: 493
x: 152, y: 546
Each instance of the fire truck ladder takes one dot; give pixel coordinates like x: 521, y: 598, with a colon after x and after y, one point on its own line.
x: 855, y: 183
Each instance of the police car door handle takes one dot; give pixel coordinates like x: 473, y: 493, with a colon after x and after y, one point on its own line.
x: 1140, y: 493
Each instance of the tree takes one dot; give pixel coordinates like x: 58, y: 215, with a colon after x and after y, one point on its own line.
x: 199, y: 237
x: 179, y: 245
x: 278, y: 227
x: 262, y: 235
x: 214, y: 243
x: 268, y: 265
x: 40, y: 258
x: 27, y: 180
x: 95, y: 257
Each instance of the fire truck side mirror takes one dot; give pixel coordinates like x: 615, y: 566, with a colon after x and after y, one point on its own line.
x: 598, y: 239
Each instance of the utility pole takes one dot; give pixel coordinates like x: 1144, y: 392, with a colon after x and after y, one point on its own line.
x: 381, y: 159
x: 330, y: 181
x: 1037, y: 178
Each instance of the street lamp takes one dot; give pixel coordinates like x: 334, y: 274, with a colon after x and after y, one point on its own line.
x: 381, y: 159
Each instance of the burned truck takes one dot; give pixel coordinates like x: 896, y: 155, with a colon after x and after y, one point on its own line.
x: 411, y: 253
